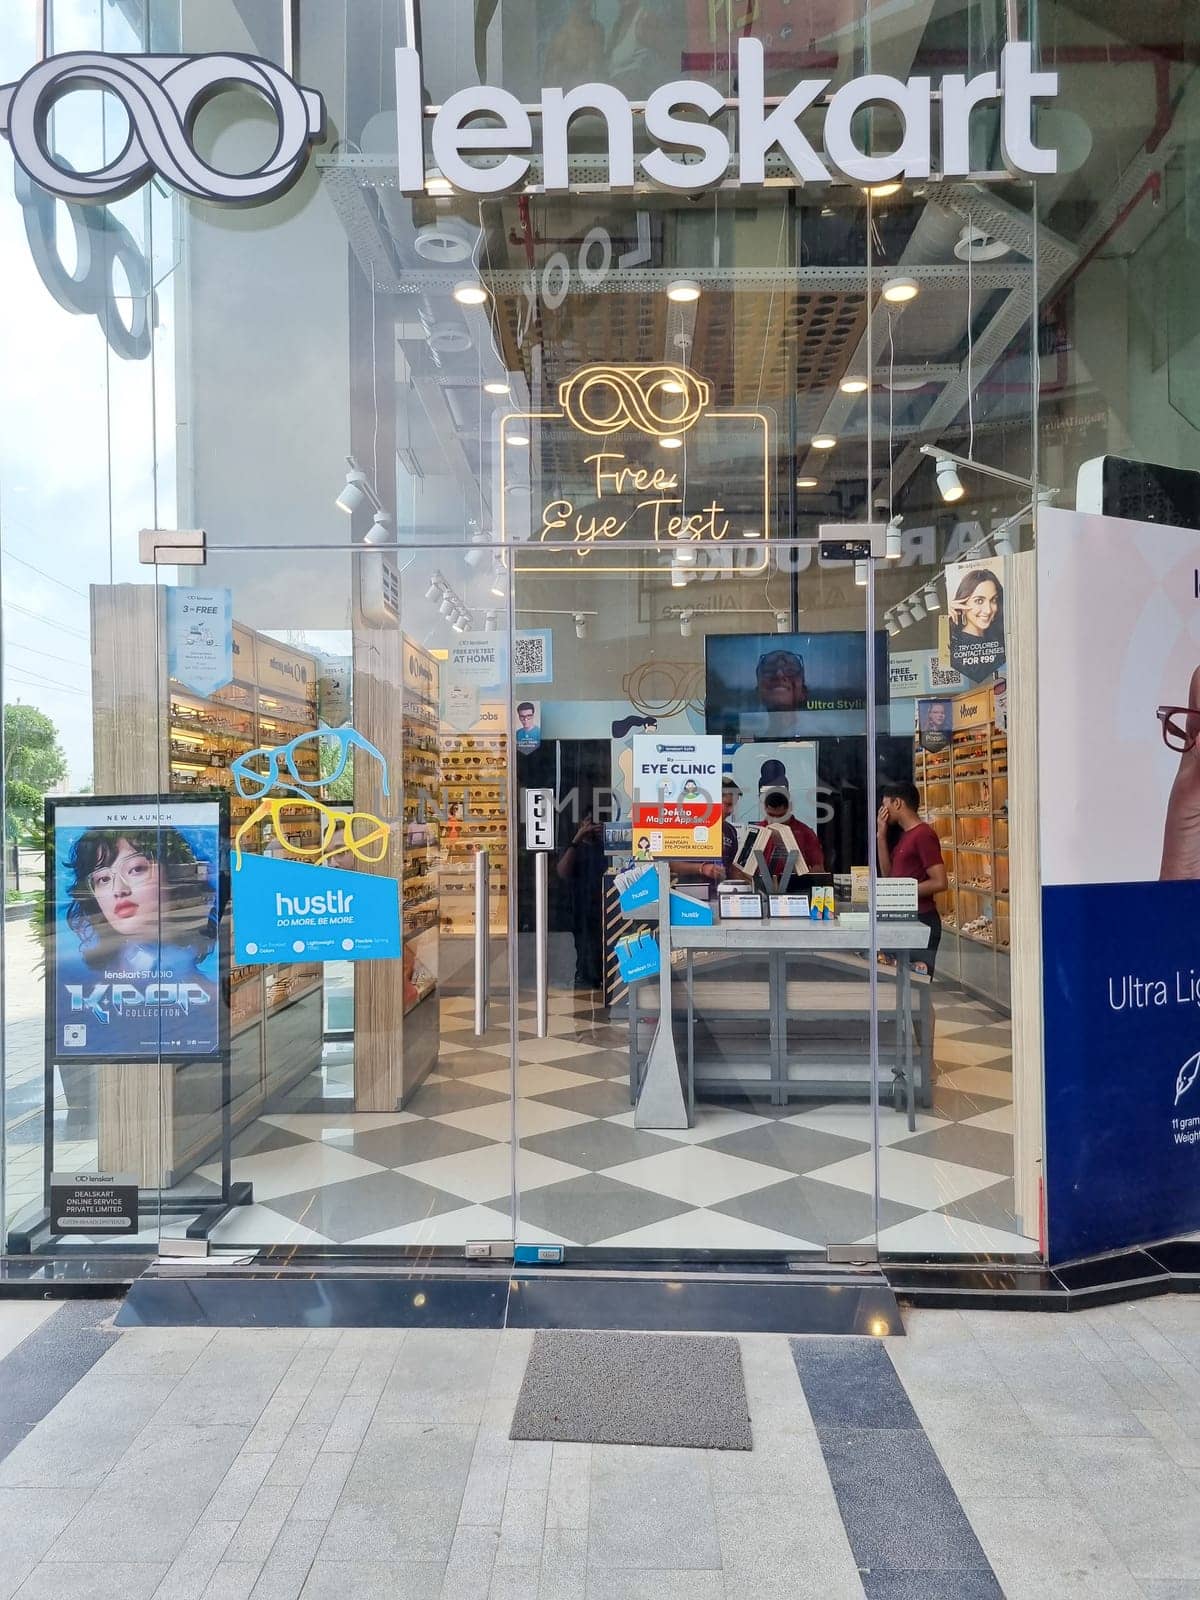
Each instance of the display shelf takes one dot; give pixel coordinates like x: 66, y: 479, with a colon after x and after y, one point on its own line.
x: 475, y: 788
x: 420, y: 892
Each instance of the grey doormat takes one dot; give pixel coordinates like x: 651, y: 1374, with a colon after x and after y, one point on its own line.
x: 634, y: 1388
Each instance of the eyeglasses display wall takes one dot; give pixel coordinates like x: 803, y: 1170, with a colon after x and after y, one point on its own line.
x: 475, y: 806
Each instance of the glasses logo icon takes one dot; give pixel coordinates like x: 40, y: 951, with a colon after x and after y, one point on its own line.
x: 162, y: 95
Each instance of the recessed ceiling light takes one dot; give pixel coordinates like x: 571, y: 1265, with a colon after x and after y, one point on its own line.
x: 518, y: 439
x: 671, y: 442
x: 883, y: 191
x: 806, y: 483
x: 854, y: 386
x: 823, y: 441
x: 683, y: 291
x: 899, y: 291
x: 495, y: 386
x: 751, y: 533
x: 470, y: 292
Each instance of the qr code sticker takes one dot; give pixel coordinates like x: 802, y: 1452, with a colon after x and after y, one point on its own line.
x: 531, y: 657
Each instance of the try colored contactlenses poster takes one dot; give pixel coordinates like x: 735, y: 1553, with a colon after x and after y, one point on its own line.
x: 133, y: 949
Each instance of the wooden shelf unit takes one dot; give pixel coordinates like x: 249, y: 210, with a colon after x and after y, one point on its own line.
x: 475, y: 778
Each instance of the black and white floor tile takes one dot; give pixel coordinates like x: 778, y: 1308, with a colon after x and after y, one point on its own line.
x: 745, y: 1176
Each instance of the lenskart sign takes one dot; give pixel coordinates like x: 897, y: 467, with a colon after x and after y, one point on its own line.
x: 693, y: 154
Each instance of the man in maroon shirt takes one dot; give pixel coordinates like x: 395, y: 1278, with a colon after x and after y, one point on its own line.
x: 777, y: 815
x: 915, y: 852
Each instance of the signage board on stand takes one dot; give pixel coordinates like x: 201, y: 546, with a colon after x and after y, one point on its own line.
x: 677, y: 796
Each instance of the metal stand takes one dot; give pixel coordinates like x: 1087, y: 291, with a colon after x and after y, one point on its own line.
x: 662, y: 1102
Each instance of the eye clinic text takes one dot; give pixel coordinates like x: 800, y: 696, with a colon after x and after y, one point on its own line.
x: 484, y: 120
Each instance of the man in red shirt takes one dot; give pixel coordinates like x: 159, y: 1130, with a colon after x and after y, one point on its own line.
x: 915, y: 852
x: 777, y: 815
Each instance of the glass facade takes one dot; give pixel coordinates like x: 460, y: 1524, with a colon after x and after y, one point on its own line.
x: 499, y: 493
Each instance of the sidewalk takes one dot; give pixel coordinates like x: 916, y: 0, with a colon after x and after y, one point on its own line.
x: 275, y: 1464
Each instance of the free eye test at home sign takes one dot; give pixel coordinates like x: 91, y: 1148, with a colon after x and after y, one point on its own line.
x: 161, y: 93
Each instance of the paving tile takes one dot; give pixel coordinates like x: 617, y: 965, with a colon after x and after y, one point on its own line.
x: 788, y: 1145
x: 967, y: 1146
x: 351, y: 1209
x: 514, y: 1583
x: 1136, y: 1493
x: 148, y: 1504
x: 472, y: 1557
x: 422, y: 1468
x: 260, y: 1527
x: 654, y: 1510
x: 569, y: 1486
x: 233, y: 1580
x: 593, y: 1207
x: 769, y: 1541
x: 595, y: 1144
x: 850, y: 1383
x: 188, y: 1575
x: 436, y: 1099
x: 53, y: 1357
x: 286, y: 1568
x: 84, y: 1436
x: 440, y: 1376
x: 607, y: 1097
x: 932, y: 1586
x: 1048, y: 1549
x: 564, y: 1564
x: 30, y: 1522
x: 89, y: 1580
x: 522, y: 1525
x: 373, y: 1580
x: 809, y: 1209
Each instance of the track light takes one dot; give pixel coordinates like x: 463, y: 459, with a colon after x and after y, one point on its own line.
x: 581, y: 623
x: 683, y: 291
x: 903, y: 615
x: 354, y: 490
x: 447, y: 606
x: 894, y: 547
x: 899, y: 291
x: 860, y: 574
x: 434, y: 590
x: 489, y: 621
x: 460, y: 622
x: 948, y: 481
x: 380, y: 531
x: 685, y: 624
x: 916, y: 610
x: 497, y: 588
x: 1002, y: 542
x: 470, y: 292
x: 892, y: 626
x: 679, y: 576
x: 781, y: 622
x: 478, y: 552
x: 686, y: 555
x: 932, y: 599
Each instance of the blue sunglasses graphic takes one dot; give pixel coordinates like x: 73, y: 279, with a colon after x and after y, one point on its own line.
x: 283, y: 770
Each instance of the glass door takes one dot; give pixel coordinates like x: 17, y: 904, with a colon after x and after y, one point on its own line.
x: 358, y: 1095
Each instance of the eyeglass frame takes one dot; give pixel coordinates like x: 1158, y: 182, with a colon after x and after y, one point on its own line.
x: 1189, y: 740
x: 285, y: 754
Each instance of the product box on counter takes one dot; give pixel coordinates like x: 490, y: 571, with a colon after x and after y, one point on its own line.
x: 788, y: 905
x: 741, y: 903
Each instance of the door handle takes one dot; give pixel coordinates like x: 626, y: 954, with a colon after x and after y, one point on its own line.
x: 483, y: 939
x: 541, y: 940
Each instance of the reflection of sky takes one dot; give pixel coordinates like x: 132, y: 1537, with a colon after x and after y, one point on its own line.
x: 77, y: 476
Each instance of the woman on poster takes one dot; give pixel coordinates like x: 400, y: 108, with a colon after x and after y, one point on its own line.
x: 976, y: 612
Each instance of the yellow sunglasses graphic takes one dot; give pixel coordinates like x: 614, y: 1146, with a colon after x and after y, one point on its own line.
x: 363, y: 834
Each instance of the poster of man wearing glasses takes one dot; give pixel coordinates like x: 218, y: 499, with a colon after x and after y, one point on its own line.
x: 135, y: 892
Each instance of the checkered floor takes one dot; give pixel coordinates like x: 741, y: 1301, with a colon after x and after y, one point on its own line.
x: 747, y: 1175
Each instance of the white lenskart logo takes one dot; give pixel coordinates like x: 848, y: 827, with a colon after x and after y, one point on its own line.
x: 1188, y: 1073
x: 162, y: 95
x: 679, y: 116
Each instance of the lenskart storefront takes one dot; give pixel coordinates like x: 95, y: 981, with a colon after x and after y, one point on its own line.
x: 590, y: 667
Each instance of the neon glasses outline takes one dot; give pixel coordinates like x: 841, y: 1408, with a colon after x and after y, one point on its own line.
x: 283, y: 771
x: 372, y: 846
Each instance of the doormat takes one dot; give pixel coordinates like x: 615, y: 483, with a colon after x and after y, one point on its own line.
x: 634, y: 1388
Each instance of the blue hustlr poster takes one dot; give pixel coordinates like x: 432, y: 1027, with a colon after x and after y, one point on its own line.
x: 285, y: 911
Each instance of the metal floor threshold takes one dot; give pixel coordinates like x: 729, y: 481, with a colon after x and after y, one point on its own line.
x: 825, y: 1300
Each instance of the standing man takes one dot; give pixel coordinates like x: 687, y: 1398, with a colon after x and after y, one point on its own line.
x: 915, y: 853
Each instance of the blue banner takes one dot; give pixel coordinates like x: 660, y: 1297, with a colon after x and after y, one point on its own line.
x: 1122, y: 1028
x: 285, y: 911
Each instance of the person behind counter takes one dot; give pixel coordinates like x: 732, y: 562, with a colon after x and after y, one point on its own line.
x: 730, y: 795
x: 777, y: 815
x: 915, y: 853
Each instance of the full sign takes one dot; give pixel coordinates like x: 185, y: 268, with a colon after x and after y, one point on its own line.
x: 163, y: 93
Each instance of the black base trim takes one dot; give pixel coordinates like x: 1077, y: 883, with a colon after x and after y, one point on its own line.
x: 1172, y: 1267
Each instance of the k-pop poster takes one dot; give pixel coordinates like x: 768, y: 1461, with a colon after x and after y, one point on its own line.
x: 975, y: 617
x: 133, y: 929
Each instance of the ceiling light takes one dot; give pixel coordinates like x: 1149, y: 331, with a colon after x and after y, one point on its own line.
x: 1002, y: 542
x: 781, y: 622
x: 683, y: 291
x: 883, y: 191
x: 470, y: 292
x: 685, y: 624
x: 916, y: 609
x: 903, y: 616
x: 686, y: 555
x: 580, y: 625
x: 489, y: 621
x: 380, y: 531
x: 806, y: 483
x: 899, y: 291
x: 354, y: 491
x: 460, y: 622
x: 823, y: 441
x: 447, y: 606
x: 894, y: 548
x: 434, y: 590
x: 948, y: 481
x: 679, y: 577
x: 860, y: 574
x: 520, y: 440
x: 497, y: 588
x: 751, y: 533
x: 892, y: 626
x: 933, y: 600
x: 854, y: 386
x: 495, y: 386
x: 671, y: 442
